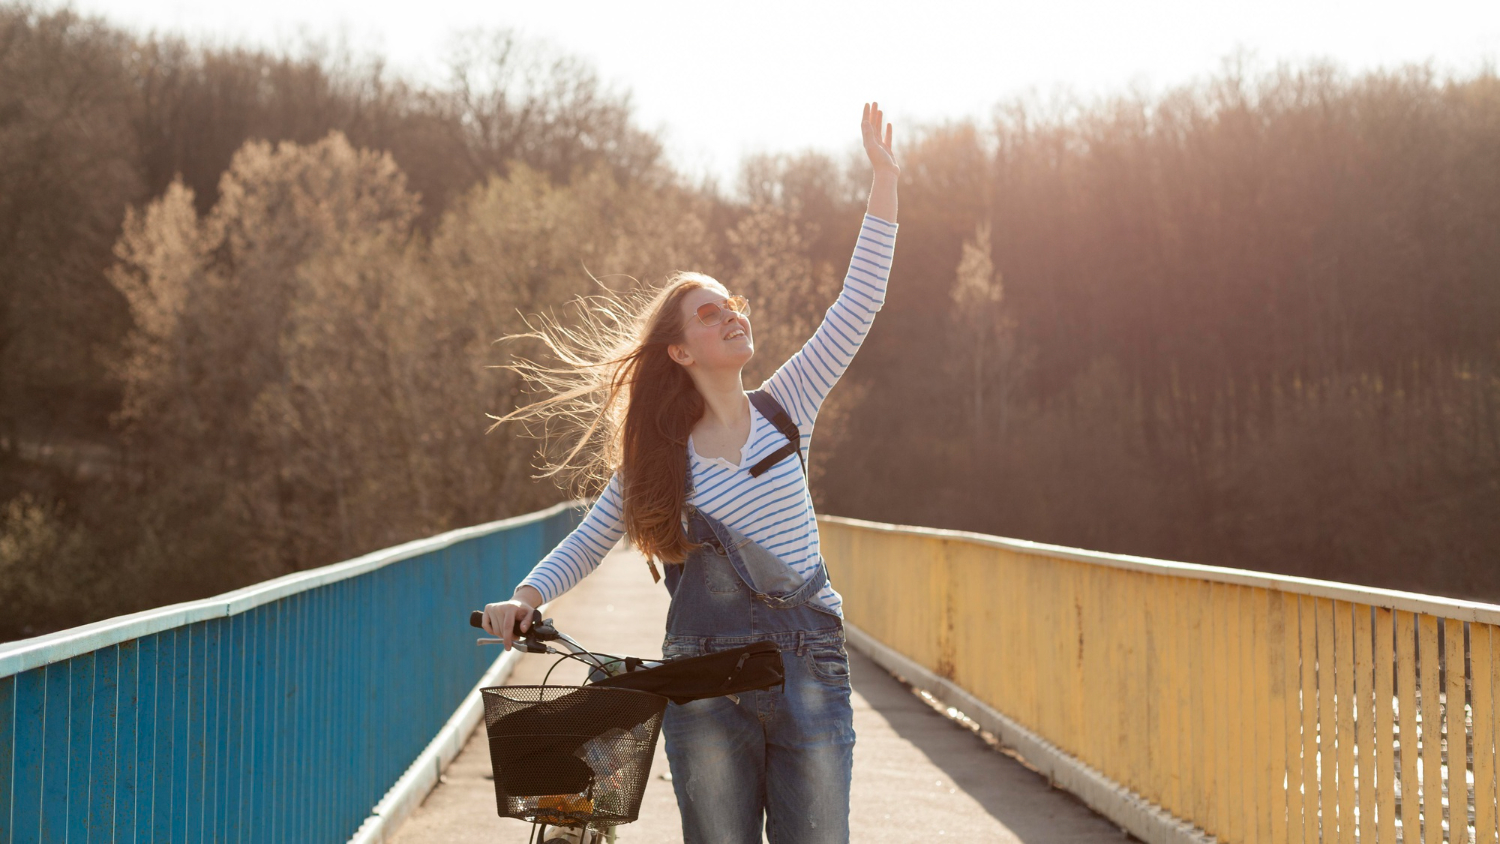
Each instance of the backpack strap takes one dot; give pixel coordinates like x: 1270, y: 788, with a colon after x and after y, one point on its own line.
x: 772, y: 410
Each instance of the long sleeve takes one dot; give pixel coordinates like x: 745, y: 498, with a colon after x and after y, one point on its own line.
x: 804, y: 381
x: 581, y: 551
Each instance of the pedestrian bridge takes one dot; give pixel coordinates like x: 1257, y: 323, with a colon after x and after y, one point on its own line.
x: 1004, y: 691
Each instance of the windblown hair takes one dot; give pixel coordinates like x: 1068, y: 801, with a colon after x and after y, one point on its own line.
x: 624, y: 404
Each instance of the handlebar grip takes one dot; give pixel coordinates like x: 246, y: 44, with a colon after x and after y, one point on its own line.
x: 476, y: 619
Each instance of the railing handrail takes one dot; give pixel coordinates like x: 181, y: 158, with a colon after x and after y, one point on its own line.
x: 1435, y: 605
x: 26, y: 654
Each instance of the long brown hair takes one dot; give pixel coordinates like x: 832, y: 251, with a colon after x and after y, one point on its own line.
x: 627, y: 406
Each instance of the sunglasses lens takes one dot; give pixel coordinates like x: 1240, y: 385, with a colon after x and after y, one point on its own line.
x: 713, y: 314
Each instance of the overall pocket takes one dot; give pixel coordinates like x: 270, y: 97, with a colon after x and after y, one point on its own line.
x: 718, y: 572
x: 677, y: 648
x: 828, y: 663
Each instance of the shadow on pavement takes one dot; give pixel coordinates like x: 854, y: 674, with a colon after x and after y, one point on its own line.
x: 1021, y: 800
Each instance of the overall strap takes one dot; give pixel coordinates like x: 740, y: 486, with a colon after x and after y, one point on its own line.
x: 772, y: 410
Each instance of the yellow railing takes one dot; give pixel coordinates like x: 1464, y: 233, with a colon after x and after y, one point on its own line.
x: 1256, y: 707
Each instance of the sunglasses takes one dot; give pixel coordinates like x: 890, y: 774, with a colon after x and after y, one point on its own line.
x: 713, y: 314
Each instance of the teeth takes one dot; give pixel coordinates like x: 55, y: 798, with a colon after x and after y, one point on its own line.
x: 734, y: 334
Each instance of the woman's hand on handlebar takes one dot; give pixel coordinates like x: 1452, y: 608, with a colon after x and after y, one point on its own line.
x: 501, y: 619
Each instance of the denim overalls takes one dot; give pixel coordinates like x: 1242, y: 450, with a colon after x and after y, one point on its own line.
x: 786, y: 751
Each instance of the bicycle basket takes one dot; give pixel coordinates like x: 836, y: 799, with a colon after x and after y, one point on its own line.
x: 571, y: 755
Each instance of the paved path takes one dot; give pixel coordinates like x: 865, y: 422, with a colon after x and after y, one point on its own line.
x: 918, y: 776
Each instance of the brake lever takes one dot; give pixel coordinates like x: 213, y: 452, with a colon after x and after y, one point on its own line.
x: 522, y: 644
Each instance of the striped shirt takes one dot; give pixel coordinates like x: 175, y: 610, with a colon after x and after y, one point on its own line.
x: 775, y: 510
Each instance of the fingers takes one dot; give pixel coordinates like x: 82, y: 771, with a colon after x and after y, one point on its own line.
x: 497, y: 621
x: 508, y: 625
x: 873, y: 119
x: 490, y: 621
x: 500, y: 620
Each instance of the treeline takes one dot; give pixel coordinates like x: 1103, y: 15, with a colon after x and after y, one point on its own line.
x: 1250, y: 323
x: 250, y: 303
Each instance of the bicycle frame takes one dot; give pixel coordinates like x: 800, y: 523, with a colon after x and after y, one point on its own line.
x: 690, y: 683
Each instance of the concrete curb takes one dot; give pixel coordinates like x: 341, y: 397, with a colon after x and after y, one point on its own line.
x: 1135, y: 815
x: 422, y: 776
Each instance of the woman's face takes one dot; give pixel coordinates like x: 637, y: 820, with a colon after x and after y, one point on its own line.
x: 727, y: 345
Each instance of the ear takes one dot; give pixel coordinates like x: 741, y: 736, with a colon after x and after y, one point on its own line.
x: 679, y: 353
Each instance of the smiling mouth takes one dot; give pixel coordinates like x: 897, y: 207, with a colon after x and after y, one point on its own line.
x: 736, y: 333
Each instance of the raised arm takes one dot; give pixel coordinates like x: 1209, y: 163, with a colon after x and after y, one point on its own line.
x: 804, y: 381
x: 882, y: 202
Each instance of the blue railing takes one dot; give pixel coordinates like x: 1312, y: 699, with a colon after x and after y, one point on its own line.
x: 281, y: 712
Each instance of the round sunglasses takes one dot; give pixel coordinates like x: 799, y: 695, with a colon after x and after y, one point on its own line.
x: 714, y: 313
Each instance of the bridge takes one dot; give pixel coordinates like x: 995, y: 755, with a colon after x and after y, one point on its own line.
x: 1004, y: 691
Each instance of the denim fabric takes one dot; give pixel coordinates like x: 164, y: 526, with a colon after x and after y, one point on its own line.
x: 782, y: 757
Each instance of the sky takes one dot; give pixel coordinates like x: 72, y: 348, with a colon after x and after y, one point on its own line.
x: 720, y: 81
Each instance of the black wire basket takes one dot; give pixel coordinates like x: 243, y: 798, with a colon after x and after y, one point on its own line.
x: 571, y: 755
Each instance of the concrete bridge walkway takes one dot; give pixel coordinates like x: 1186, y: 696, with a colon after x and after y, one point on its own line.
x: 918, y: 776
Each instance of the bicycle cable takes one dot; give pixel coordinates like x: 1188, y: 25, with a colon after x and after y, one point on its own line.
x: 563, y: 659
x: 592, y: 664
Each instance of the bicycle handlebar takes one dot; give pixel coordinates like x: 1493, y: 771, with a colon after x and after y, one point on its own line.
x: 539, y: 630
x: 542, y: 631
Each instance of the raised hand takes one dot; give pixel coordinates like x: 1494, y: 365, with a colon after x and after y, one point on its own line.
x: 879, y: 151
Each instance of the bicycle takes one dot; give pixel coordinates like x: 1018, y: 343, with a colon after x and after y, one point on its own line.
x: 578, y: 757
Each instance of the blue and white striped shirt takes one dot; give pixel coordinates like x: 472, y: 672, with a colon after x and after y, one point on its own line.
x: 775, y: 510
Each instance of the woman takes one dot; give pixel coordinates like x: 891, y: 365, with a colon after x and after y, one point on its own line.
x: 741, y: 547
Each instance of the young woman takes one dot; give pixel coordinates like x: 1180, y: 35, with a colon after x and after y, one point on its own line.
x: 660, y: 389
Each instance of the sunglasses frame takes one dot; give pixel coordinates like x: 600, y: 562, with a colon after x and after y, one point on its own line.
x: 719, y: 309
